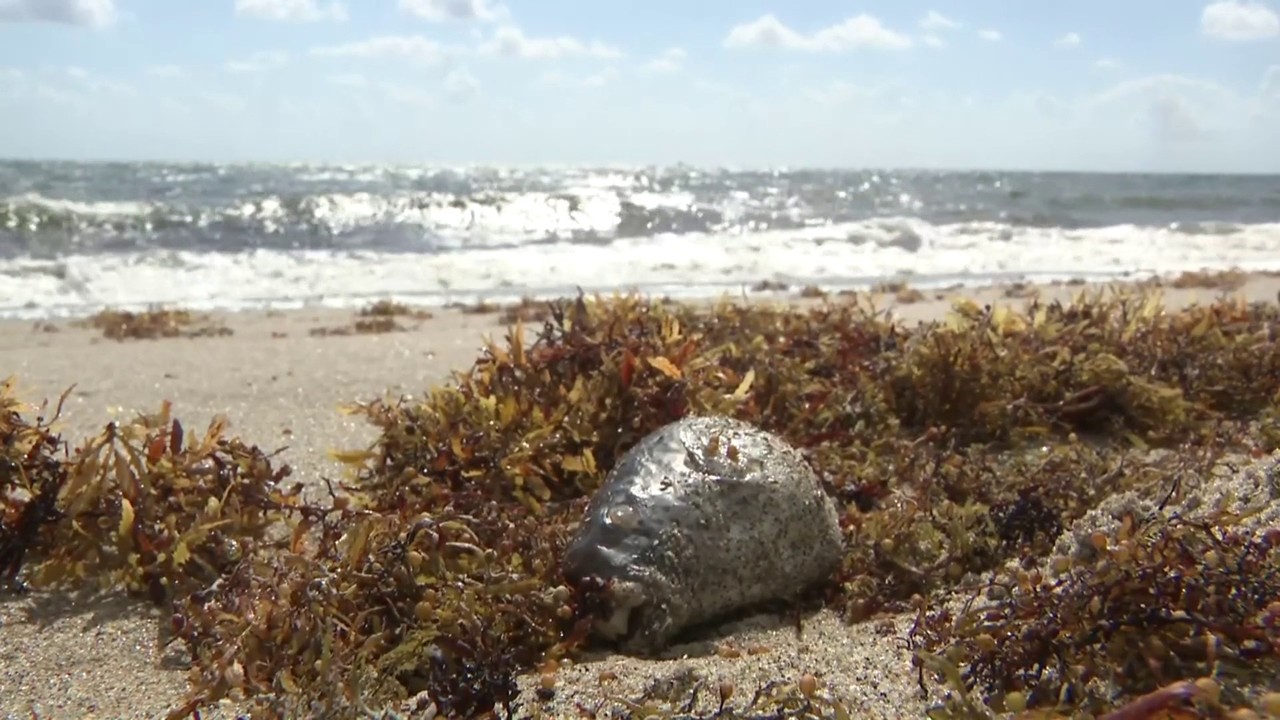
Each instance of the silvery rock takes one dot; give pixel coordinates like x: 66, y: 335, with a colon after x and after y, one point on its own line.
x: 702, y: 517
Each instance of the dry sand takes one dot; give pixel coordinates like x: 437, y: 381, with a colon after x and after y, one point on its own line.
x: 282, y: 387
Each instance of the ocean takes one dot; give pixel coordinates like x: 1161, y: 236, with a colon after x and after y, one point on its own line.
x: 77, y: 237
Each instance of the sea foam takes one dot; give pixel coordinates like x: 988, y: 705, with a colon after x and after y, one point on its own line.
x: 833, y: 256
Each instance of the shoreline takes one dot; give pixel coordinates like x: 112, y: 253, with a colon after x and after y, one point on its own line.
x: 281, y: 385
x: 767, y: 289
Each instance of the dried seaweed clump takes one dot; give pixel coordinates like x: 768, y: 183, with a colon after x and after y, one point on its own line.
x: 371, y: 325
x: 391, y: 308
x: 376, y: 318
x: 526, y: 309
x: 377, y: 607
x: 154, y: 323
x: 1157, y: 603
x: 141, y: 506
x: 31, y: 475
x: 900, y: 291
x: 1225, y: 280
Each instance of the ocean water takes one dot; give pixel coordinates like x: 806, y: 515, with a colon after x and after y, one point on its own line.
x: 76, y: 237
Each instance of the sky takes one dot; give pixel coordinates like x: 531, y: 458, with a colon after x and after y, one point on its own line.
x: 1121, y: 85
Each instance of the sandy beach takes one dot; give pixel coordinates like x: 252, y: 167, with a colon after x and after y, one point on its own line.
x: 281, y: 385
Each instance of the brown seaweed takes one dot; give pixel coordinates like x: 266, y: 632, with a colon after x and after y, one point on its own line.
x: 958, y: 449
x: 154, y: 323
x: 381, y: 316
x: 391, y: 308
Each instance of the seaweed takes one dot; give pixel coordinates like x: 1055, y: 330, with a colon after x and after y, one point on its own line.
x: 901, y: 292
x: 142, y: 506
x: 31, y: 477
x: 390, y: 308
x: 480, y: 307
x: 770, y: 286
x: 526, y: 309
x: 1160, y: 602
x: 1225, y: 280
x: 960, y: 451
x: 372, y: 325
x: 375, y: 318
x: 154, y: 323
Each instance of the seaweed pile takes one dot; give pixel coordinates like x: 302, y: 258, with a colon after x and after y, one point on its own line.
x: 526, y: 309
x: 153, y: 324
x: 960, y: 450
x: 380, y: 316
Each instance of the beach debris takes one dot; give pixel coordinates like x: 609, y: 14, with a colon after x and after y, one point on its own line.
x: 381, y: 316
x: 1021, y: 291
x: 700, y: 518
x: 959, y: 454
x: 901, y: 291
x: 154, y: 323
x: 479, y: 307
x: 391, y: 308
x: 527, y: 310
x: 143, y: 506
x: 31, y: 476
x: 764, y: 286
x: 375, y: 325
x: 1224, y: 280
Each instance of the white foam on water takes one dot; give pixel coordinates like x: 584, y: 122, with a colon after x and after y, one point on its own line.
x: 845, y: 255
x: 100, y: 208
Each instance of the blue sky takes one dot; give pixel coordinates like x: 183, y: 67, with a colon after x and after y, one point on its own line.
x: 1121, y: 85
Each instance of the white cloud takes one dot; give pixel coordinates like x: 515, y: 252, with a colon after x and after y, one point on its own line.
x: 1106, y: 64
x: 110, y: 86
x: 291, y: 10
x: 1050, y: 106
x: 1158, y: 85
x: 669, y: 61
x: 87, y: 81
x: 165, y: 71
x: 510, y: 40
x: 88, y: 13
x: 838, y: 92
x: 413, y: 47
x: 556, y: 78
x: 990, y: 35
x: 935, y: 21
x: 1235, y: 20
x: 405, y: 94
x: 223, y: 101
x: 442, y: 10
x: 600, y: 79
x: 348, y: 79
x: 1173, y: 108
x: 461, y: 85
x: 61, y: 97
x: 860, y: 31
x: 933, y: 41
x: 1069, y: 40
x: 10, y: 73
x: 1173, y: 119
x: 258, y: 62
x: 1270, y: 87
